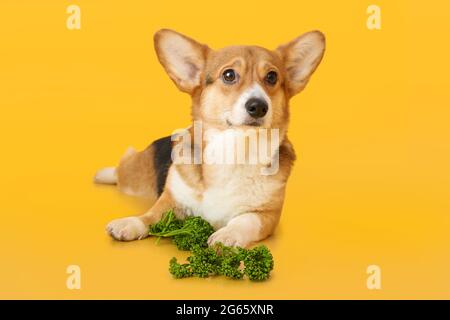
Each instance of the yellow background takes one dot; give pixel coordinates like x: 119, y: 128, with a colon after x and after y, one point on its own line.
x: 371, y: 184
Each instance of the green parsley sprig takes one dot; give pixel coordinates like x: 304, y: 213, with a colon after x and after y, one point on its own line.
x: 232, y: 262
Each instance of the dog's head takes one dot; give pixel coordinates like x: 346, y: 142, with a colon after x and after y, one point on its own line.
x: 240, y: 86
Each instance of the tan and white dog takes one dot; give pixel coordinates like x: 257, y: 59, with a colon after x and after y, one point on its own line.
x: 232, y: 89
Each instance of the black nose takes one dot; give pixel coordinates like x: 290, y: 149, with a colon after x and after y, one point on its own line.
x: 256, y: 107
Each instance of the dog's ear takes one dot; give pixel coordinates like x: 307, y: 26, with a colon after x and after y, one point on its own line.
x: 301, y: 57
x: 182, y: 58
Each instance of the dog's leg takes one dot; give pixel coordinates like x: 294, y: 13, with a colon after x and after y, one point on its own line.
x: 134, y: 228
x: 110, y: 175
x: 106, y: 176
x: 246, y: 229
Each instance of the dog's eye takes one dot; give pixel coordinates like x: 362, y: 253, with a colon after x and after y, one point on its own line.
x: 271, y: 78
x: 229, y: 76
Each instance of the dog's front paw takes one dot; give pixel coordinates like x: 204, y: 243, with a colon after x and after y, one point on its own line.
x: 127, y: 229
x: 229, y: 237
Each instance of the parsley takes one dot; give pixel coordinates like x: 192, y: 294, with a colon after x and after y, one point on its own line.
x: 232, y: 262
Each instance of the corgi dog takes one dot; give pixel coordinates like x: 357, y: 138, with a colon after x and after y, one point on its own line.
x: 233, y: 89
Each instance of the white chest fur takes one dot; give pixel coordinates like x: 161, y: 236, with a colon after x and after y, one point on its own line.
x: 231, y: 190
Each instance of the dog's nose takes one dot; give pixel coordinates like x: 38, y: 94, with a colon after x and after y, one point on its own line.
x: 257, y: 108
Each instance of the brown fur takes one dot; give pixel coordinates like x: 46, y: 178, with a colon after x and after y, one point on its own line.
x: 136, y: 175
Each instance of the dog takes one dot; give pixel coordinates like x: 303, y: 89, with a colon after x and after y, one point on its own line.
x: 232, y: 89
